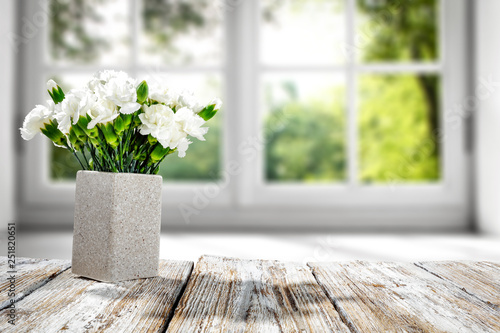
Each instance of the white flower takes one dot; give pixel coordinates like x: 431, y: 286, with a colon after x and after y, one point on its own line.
x: 71, y: 109
x: 187, y: 99
x: 164, y: 95
x: 101, y: 112
x: 169, y: 129
x: 191, y: 123
x: 51, y: 84
x: 156, y: 120
x: 217, y: 102
x: 124, y: 94
x: 118, y: 88
x: 35, y: 121
x: 182, y: 146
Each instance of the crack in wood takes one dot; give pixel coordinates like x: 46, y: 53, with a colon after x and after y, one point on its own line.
x: 176, y: 303
x: 342, y: 314
x: 455, y: 283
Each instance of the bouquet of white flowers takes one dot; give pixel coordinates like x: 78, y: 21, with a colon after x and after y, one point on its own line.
x: 115, y: 124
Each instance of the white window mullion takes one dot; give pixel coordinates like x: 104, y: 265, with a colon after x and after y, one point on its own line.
x: 232, y: 97
x: 135, y: 19
x: 248, y: 112
x: 351, y: 119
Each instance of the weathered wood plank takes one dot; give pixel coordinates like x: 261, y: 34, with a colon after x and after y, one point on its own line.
x: 232, y: 295
x: 29, y: 275
x: 75, y: 304
x: 481, y: 279
x: 398, y: 297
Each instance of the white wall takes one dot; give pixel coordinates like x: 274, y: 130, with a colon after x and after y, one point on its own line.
x: 487, y: 128
x: 7, y: 156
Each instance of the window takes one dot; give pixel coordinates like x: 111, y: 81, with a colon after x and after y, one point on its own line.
x: 334, y: 109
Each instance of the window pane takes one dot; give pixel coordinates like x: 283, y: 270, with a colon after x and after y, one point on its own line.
x: 302, y: 32
x: 89, y: 32
x: 304, y: 127
x: 399, y: 128
x: 202, y: 160
x: 187, y: 32
x: 393, y: 30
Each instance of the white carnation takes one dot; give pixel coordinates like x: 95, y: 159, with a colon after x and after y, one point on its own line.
x: 187, y: 99
x: 101, y: 112
x: 217, y: 102
x: 118, y: 88
x: 51, y: 85
x: 36, y: 120
x: 167, y: 127
x: 71, y: 109
x: 191, y: 123
x: 157, y: 120
x: 182, y: 146
x: 164, y: 95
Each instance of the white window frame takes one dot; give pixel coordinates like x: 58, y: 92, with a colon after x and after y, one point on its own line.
x: 245, y: 200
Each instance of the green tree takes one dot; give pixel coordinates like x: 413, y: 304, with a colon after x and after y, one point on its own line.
x: 394, y: 31
x: 305, y: 140
x: 398, y: 30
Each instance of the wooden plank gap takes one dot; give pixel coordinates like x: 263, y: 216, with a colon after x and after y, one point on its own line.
x: 30, y: 274
x: 177, y: 300
x: 76, y: 304
x: 235, y: 295
x: 395, y: 297
x: 342, y: 314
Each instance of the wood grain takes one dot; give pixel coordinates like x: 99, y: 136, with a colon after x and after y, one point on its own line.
x: 29, y: 275
x: 233, y: 295
x: 75, y: 304
x: 399, y: 297
x: 481, y: 279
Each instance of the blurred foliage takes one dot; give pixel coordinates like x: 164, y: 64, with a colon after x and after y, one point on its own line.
x: 63, y: 164
x: 305, y: 140
x: 396, y: 30
x: 166, y: 20
x: 69, y: 38
x: 395, y: 139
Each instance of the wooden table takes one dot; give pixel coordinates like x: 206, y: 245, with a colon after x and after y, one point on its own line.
x: 233, y: 295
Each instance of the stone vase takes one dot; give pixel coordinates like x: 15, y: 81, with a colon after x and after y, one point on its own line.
x: 117, y: 225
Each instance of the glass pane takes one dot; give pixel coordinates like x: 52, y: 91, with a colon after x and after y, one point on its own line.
x: 399, y: 128
x: 304, y: 127
x: 393, y: 30
x: 89, y: 32
x: 302, y: 32
x: 202, y: 160
x: 187, y: 32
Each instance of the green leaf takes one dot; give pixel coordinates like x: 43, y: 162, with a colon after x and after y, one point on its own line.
x: 54, y: 134
x: 109, y: 134
x: 158, y: 153
x: 152, y: 140
x: 57, y: 95
x: 208, y: 112
x: 142, y: 92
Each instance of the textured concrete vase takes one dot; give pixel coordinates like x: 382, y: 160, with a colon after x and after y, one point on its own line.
x: 116, y: 234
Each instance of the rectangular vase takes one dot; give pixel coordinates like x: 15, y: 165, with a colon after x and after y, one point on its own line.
x: 117, y: 225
